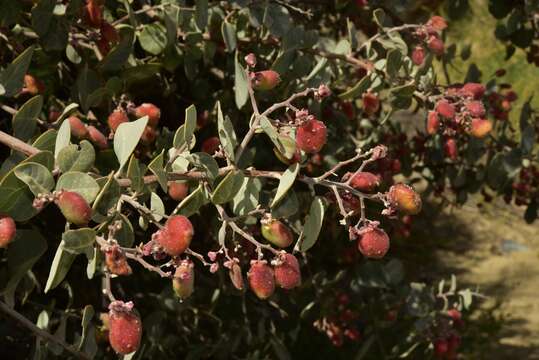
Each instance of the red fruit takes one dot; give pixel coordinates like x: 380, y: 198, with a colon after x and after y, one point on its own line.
x: 74, y: 207
x: 7, y: 230
x: 418, y: 55
x: 210, y: 145
x: 109, y: 33
x: 266, y: 80
x: 456, y: 316
x: 178, y: 190
x: 445, y: 109
x: 116, y: 261
x: 261, y: 279
x: 93, y: 13
x: 184, y: 279
x: 32, y: 85
x: 288, y: 274
x: 436, y: 45
x: 311, y: 136
x: 78, y: 128
x: 405, y: 199
x: 362, y: 3
x: 433, y: 123
x: 148, y: 135
x: 511, y: 96
x: 117, y: 117
x: 476, y: 108
x: 365, y: 181
x: 450, y: 148
x: 441, y: 347
x: 125, y: 328
x: 371, y: 103
x: 480, y: 128
x: 277, y: 233
x: 373, y: 243
x: 97, y: 137
x: 437, y: 23
x: 175, y: 237
x: 474, y: 90
x: 150, y: 110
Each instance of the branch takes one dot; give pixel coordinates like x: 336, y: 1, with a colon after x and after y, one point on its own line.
x: 17, y: 144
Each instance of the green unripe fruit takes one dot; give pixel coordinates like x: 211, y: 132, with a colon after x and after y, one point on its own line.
x: 277, y: 233
x: 184, y: 279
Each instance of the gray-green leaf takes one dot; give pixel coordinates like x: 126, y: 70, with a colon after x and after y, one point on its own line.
x: 127, y: 137
x: 286, y: 182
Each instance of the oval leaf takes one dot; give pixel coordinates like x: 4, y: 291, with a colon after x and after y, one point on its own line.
x: 127, y: 137
x: 80, y: 183
x: 313, y: 224
x: 38, y: 178
x: 286, y: 182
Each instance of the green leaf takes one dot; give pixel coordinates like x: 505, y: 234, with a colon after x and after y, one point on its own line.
x: 285, y: 183
x: 67, y: 111
x: 79, y: 182
x: 227, y: 135
x: 156, y: 167
x: 240, y: 83
x: 205, y: 163
x: 185, y: 133
x: 46, y: 141
x: 313, y: 224
x: 126, y: 235
x: 59, y: 268
x: 25, y: 120
x: 192, y: 202
x: 394, y: 62
x: 284, y: 144
x: 71, y: 158
x: 357, y: 89
x: 63, y: 138
x: 38, y: 178
x: 86, y: 84
x: 287, y: 207
x: 12, y: 78
x: 22, y: 254
x: 42, y: 15
x: 153, y: 38
x: 157, y: 206
x: 16, y: 199
x: 135, y: 174
x: 228, y: 187
x: 118, y: 56
x: 106, y: 199
x: 126, y: 138
x: 228, y: 31
x: 86, y: 324
x: 246, y: 198
x: 201, y: 13
x: 44, y: 158
x: 78, y: 241
x: 379, y: 17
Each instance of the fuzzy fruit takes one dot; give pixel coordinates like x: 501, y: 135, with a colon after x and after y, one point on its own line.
x: 450, y: 148
x: 178, y: 190
x: 445, y: 109
x: 371, y: 103
x: 175, y: 237
x: 474, y: 90
x: 210, y: 145
x: 277, y: 233
x: 7, y: 230
x: 97, y: 137
x: 74, y: 207
x: 117, y: 262
x: 365, y: 181
x: 311, y: 136
x: 436, y: 45
x: 266, y: 80
x: 476, y: 108
x: 288, y: 274
x: 261, y: 279
x: 150, y: 110
x: 116, y: 118
x: 78, y: 128
x: 437, y: 23
x: 480, y: 128
x: 405, y: 199
x: 373, y: 243
x: 433, y: 123
x: 125, y: 328
x: 184, y: 279
x: 33, y: 85
x: 418, y: 55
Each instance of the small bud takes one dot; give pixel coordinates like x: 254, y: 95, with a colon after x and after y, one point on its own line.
x: 433, y: 123
x: 480, y: 128
x: 287, y: 273
x: 117, y: 117
x: 214, y: 268
x: 178, y: 190
x: 266, y: 80
x: 8, y: 230
x: 364, y: 181
x: 125, y: 327
x: 445, y: 109
x: 97, y: 137
x: 116, y: 261
x: 184, y: 279
x: 405, y: 199
x: 323, y: 91
x: 261, y: 279
x: 311, y: 136
x: 212, y: 255
x: 250, y: 60
x: 373, y: 243
x: 175, y: 237
x: 371, y: 103
x: 74, y: 207
x: 436, y: 45
x: 277, y: 233
x: 150, y: 110
x: 418, y: 55
x: 78, y: 128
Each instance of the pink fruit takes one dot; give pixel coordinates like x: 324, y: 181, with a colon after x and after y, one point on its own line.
x: 433, y: 123
x: 476, y: 108
x: 97, y: 137
x: 261, y: 279
x: 437, y: 23
x: 418, y: 55
x: 150, y: 110
x: 78, y: 128
x: 311, y: 136
x: 445, y: 109
x: 116, y: 118
x: 184, y: 279
x: 373, y: 243
x: 175, y: 237
x: 450, y: 148
x: 7, y: 230
x: 74, y: 207
x: 178, y: 190
x: 474, y: 90
x: 480, y: 128
x: 266, y: 80
x: 371, y: 103
x: 365, y: 181
x: 277, y: 233
x: 288, y: 274
x: 405, y: 199
x: 125, y: 328
x: 436, y: 45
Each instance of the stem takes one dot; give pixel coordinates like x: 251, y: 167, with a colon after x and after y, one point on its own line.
x: 17, y: 144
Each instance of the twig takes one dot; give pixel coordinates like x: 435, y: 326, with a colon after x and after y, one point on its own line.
x: 200, y: 257
x: 40, y: 332
x: 255, y: 123
x: 149, y: 9
x: 333, y: 170
x: 143, y: 210
x: 17, y: 144
x: 387, y: 31
x: 138, y: 258
x: 107, y: 287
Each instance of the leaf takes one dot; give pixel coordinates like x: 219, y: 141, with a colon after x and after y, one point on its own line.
x: 135, y: 174
x: 38, y: 178
x: 228, y: 187
x: 22, y: 254
x: 285, y: 183
x: 227, y: 135
x: 284, y: 144
x: 153, y: 38
x: 185, y: 133
x: 287, y: 207
x: 79, y: 182
x: 118, y: 56
x: 156, y: 167
x: 44, y: 158
x: 63, y: 138
x: 126, y: 138
x: 24, y: 121
x: 78, y: 241
x: 240, y: 83
x: 192, y: 202
x: 313, y: 224
x: 59, y: 268
x: 86, y: 323
x: 157, y: 206
x: 46, y: 141
x: 126, y: 235
x: 205, y: 163
x: 16, y: 199
x: 71, y: 158
x: 12, y: 78
x: 201, y: 13
x: 357, y: 89
x: 106, y: 199
x: 394, y: 62
x: 67, y: 111
x: 246, y: 199
x: 228, y: 31
x: 42, y: 15
x: 87, y: 83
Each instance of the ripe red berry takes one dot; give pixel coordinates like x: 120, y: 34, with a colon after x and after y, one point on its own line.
x: 184, y: 279
x: 288, y: 274
x: 175, y: 237
x: 7, y: 230
x: 78, y: 128
x: 74, y: 207
x: 33, y: 85
x: 433, y: 123
x: 178, y: 190
x: 150, y: 110
x: 436, y: 45
x: 441, y: 348
x: 117, y: 117
x: 474, y: 90
x: 97, y: 137
x: 311, y: 136
x: 371, y: 103
x: 450, y: 148
x: 116, y: 261
x: 261, y: 279
x: 277, y: 233
x: 266, y: 80
x: 125, y: 328
x: 373, y: 243
x: 210, y: 145
x: 445, y: 109
x: 365, y: 181
x: 418, y: 55
x: 480, y: 128
x: 405, y: 199
x: 476, y: 108
x: 437, y: 23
